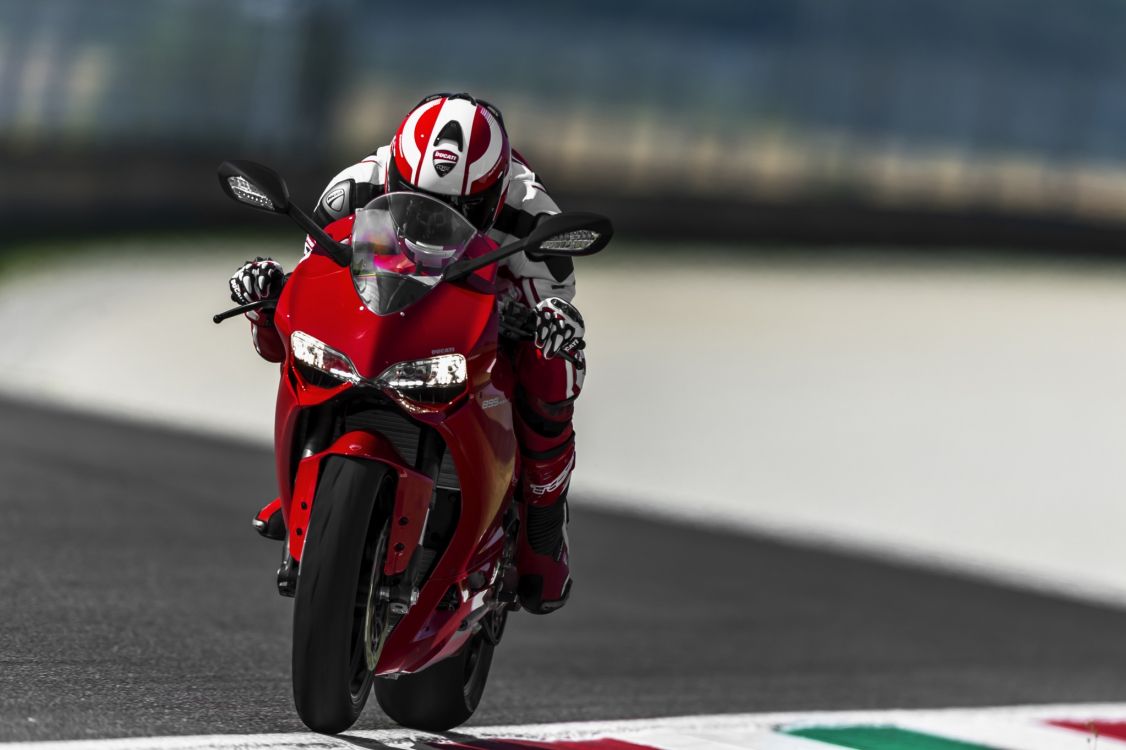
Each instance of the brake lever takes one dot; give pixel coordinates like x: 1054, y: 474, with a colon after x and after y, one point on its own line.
x: 262, y: 304
x: 569, y: 354
x: 517, y: 320
x: 572, y: 358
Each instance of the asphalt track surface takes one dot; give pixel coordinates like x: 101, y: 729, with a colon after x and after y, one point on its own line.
x: 137, y: 600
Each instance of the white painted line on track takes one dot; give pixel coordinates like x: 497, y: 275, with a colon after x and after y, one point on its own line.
x: 1005, y: 728
x: 730, y: 739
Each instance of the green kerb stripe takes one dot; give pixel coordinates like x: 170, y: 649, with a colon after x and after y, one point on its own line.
x: 881, y: 738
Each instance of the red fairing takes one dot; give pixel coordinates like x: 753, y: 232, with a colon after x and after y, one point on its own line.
x: 473, y: 435
x: 412, y: 495
x: 477, y: 426
x: 272, y: 507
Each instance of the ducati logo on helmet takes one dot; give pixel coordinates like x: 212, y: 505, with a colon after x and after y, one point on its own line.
x: 444, y: 161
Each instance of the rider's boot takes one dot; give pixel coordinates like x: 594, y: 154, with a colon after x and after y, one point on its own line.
x: 542, y: 555
x: 269, y: 522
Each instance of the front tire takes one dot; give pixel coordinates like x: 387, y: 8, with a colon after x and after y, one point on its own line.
x: 442, y: 696
x: 331, y: 612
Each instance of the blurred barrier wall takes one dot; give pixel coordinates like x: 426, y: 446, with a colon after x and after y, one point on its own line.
x: 935, y: 120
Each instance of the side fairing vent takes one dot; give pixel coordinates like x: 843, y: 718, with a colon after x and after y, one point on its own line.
x: 403, y: 434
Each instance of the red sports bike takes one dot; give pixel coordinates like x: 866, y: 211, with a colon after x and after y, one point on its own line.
x: 396, y: 458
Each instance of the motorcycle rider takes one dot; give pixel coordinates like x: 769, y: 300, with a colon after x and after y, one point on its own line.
x: 454, y: 147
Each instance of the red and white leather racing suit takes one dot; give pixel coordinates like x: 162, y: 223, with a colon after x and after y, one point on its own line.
x: 546, y: 388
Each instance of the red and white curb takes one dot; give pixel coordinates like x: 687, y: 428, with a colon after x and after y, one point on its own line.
x: 1056, y: 727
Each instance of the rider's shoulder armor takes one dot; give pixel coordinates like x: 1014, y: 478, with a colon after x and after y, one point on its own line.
x: 525, y: 203
x: 353, y: 188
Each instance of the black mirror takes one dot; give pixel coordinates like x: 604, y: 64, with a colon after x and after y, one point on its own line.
x: 569, y: 234
x: 260, y: 187
x: 254, y: 185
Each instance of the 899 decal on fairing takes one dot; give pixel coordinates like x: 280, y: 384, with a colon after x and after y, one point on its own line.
x: 395, y: 452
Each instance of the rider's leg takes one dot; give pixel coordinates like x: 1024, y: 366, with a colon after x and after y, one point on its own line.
x: 544, y: 407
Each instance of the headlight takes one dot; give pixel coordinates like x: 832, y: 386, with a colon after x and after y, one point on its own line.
x: 434, y: 380
x: 323, y: 358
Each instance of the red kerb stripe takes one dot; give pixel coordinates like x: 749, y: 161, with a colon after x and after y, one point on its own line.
x: 1114, y: 729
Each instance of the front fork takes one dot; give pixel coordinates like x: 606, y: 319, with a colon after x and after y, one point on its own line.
x: 413, y: 494
x: 318, y: 433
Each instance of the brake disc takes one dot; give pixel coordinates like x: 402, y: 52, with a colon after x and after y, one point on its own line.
x: 377, y: 620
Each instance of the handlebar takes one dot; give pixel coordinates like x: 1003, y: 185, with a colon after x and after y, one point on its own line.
x: 517, y: 321
x: 263, y: 304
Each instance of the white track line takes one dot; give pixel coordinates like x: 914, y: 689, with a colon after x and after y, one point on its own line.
x: 1016, y: 727
x: 729, y: 739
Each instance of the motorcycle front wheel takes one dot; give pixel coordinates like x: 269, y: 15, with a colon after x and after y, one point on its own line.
x: 335, y: 628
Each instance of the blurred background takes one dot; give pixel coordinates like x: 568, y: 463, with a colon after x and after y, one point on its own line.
x: 933, y: 122
x: 867, y: 293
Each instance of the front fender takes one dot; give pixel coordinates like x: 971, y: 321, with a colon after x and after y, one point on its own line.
x: 412, y: 496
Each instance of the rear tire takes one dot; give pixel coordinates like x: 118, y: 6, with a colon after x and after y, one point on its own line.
x: 442, y: 696
x: 331, y: 679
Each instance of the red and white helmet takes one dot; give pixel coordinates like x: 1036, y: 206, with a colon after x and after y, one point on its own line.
x: 453, y: 147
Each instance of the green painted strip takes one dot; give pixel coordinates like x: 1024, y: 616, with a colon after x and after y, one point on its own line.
x: 881, y: 738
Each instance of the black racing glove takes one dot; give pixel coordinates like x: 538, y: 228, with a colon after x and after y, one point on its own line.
x: 261, y: 278
x: 559, y: 327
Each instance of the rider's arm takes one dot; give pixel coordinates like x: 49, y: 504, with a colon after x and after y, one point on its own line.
x: 267, y: 340
x: 353, y: 188
x: 258, y: 279
x: 533, y: 279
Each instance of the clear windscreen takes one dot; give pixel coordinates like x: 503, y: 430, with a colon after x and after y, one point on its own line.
x: 401, y: 245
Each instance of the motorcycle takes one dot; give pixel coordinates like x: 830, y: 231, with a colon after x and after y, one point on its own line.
x: 396, y: 459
